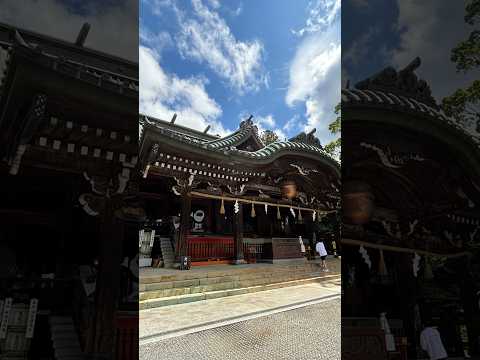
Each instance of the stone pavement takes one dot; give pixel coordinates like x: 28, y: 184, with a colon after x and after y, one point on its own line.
x: 307, y: 333
x: 169, y: 321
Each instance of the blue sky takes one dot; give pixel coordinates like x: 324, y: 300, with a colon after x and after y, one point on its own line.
x: 214, y: 63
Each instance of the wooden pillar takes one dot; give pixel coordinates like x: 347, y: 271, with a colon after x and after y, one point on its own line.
x: 238, y: 235
x: 184, y: 225
x: 408, y: 293
x: 108, y: 282
x: 470, y: 303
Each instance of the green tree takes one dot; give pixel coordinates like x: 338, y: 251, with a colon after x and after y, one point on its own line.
x: 268, y: 137
x: 464, y: 104
x: 334, y: 147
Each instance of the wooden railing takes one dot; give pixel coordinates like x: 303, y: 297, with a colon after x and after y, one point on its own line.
x: 211, y: 247
x: 127, y: 336
x: 222, y: 248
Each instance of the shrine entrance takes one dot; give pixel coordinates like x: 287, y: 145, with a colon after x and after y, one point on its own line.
x: 218, y: 201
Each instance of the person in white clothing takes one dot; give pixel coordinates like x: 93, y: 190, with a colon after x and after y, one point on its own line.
x: 320, y: 248
x: 431, y: 342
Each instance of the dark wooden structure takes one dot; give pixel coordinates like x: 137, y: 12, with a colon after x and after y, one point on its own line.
x: 412, y: 208
x: 68, y: 150
x: 236, y: 198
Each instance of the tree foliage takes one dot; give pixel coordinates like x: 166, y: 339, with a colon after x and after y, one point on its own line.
x: 268, y: 137
x: 464, y: 104
x: 333, y: 148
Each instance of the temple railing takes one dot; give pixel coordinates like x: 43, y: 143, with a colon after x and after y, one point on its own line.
x: 221, y: 248
x: 126, y: 341
x: 210, y: 247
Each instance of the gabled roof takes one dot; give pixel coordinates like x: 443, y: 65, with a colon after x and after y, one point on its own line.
x: 162, y: 131
x: 403, y: 92
x: 246, y: 131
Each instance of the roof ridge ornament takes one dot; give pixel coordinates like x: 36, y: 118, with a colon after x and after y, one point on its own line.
x: 403, y: 82
x: 248, y: 124
x: 307, y: 138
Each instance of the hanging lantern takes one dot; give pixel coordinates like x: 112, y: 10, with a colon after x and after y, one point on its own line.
x: 222, y: 207
x: 252, y: 214
x: 279, y: 216
x: 289, y: 189
x: 358, y: 202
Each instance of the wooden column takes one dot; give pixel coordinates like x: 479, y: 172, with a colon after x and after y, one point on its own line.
x: 108, y: 281
x: 184, y: 225
x: 238, y: 235
x: 471, y: 307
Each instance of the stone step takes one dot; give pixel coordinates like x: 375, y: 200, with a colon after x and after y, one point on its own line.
x: 211, y: 278
x: 167, y: 252
x: 191, y: 275
x: 177, y: 288
x: 185, y: 298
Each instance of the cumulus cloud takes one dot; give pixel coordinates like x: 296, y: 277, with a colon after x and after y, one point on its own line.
x: 315, y: 79
x: 430, y: 29
x: 114, y: 27
x: 163, y: 94
x: 205, y: 37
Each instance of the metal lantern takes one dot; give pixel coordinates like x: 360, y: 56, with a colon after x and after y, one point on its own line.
x: 289, y: 189
x: 358, y: 202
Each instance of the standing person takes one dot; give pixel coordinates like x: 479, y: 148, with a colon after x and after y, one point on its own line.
x: 431, y: 342
x: 320, y: 248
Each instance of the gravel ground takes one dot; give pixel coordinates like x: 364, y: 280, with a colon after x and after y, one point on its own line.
x: 308, y: 333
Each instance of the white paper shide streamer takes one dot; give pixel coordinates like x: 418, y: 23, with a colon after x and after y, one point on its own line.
x: 365, y: 256
x: 416, y: 264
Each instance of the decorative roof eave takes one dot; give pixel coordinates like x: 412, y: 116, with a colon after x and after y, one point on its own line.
x: 103, y: 79
x: 195, y: 135
x: 247, y: 130
x: 260, y: 157
x: 352, y: 98
x: 433, y: 122
x: 71, y: 50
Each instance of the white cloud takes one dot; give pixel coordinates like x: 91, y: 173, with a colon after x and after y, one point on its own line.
x: 266, y: 120
x: 292, y: 124
x: 206, y: 38
x: 113, y: 31
x: 321, y: 15
x: 315, y: 79
x: 158, y: 41
x: 430, y: 29
x: 163, y: 94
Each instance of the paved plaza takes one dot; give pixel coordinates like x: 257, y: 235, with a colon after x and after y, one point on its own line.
x: 297, y: 322
x: 310, y: 332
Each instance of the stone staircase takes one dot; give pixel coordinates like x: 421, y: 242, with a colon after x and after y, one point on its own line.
x: 65, y: 339
x: 168, y: 253
x: 203, y: 284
